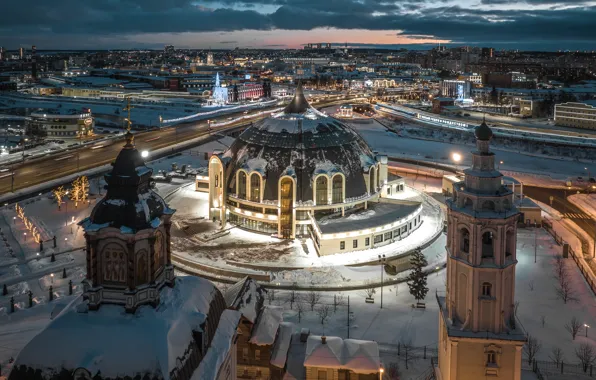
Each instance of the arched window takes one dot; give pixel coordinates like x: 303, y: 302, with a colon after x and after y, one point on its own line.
x: 255, y: 187
x: 338, y: 191
x: 487, y: 245
x: 321, y: 186
x: 464, y: 240
x: 142, y: 271
x: 469, y: 203
x: 114, y: 263
x: 487, y: 289
x: 372, y: 180
x: 242, y: 185
x: 509, y: 243
x: 488, y: 205
x: 506, y: 204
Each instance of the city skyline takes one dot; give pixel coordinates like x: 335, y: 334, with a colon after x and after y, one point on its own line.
x: 548, y: 25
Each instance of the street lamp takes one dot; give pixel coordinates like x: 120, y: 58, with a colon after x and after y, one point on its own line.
x: 381, y: 370
x: 588, y: 170
x: 382, y: 261
x: 500, y: 163
x: 52, y: 275
x: 457, y: 158
x: 145, y: 154
x: 587, y: 327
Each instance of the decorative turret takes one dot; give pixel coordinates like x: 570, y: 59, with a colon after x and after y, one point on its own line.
x: 128, y: 237
x: 299, y: 104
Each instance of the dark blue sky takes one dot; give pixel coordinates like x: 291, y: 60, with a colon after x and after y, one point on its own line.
x: 76, y: 24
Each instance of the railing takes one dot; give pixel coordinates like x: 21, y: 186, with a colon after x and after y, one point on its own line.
x: 544, y: 368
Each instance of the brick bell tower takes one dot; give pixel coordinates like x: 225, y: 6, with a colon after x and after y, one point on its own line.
x: 478, y: 334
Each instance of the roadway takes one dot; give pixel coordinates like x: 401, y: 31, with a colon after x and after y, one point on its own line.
x: 561, y: 204
x: 36, y: 171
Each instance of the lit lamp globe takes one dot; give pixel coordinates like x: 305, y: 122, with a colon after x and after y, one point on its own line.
x: 145, y: 154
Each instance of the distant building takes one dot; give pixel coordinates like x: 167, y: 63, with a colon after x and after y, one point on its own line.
x: 439, y: 103
x: 209, y: 59
x: 168, y: 49
x: 61, y: 125
x: 220, y: 93
x: 530, y: 107
x: 2, y: 54
x: 459, y: 89
x: 576, y: 115
x: 487, y: 52
x: 21, y: 53
x: 508, y: 80
x: 471, y: 77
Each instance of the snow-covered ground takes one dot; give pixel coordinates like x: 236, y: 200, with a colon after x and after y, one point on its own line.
x: 389, y: 143
x: 399, y: 322
x: 586, y: 202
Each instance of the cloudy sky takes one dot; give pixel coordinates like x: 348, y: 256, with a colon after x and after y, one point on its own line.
x: 79, y: 24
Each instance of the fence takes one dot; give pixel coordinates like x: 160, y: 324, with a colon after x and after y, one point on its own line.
x: 581, y: 264
x: 544, y: 368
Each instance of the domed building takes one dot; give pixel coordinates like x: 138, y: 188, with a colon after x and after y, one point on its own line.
x: 298, y: 173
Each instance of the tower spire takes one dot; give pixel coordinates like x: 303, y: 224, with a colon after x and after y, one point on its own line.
x: 129, y: 135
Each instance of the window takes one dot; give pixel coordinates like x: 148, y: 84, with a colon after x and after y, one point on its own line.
x: 258, y: 374
x: 486, y: 289
x: 387, y: 236
x: 464, y: 238
x: 337, y: 189
x: 354, y: 243
x: 257, y: 354
x: 255, y: 187
x: 241, y: 185
x: 342, y: 245
x: 487, y: 245
x: 378, y: 239
x: 245, y: 372
x: 142, y: 268
x: 321, y: 192
x: 322, y: 374
x: 245, y: 353
x: 491, y: 358
x: 367, y: 242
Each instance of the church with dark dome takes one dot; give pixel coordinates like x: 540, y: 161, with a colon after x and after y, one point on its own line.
x: 292, y: 173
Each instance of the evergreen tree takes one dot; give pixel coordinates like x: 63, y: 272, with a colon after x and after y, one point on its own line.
x: 4, y: 290
x: 64, y: 273
x: 417, y: 278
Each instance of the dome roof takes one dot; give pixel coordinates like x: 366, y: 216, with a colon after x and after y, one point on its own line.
x: 300, y: 142
x: 483, y: 131
x: 129, y: 202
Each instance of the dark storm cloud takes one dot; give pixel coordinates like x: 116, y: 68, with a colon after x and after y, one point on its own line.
x: 42, y: 18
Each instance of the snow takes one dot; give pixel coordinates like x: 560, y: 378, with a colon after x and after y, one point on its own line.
x: 279, y: 354
x: 248, y: 298
x: 220, y: 346
x: 358, y: 356
x: 151, y: 340
x: 267, y: 325
x: 585, y: 202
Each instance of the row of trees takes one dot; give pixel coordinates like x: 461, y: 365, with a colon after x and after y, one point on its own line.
x: 78, y: 192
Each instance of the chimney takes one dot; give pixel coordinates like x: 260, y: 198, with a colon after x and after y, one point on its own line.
x: 304, y: 333
x: 324, y: 339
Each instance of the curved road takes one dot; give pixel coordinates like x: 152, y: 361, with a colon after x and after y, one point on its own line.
x: 40, y: 170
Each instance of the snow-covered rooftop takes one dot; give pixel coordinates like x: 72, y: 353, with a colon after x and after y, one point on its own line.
x: 220, y: 346
x: 118, y: 343
x: 267, y: 325
x: 282, y: 344
x: 245, y: 296
x: 360, y: 356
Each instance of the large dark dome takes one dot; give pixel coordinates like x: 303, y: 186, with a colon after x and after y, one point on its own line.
x: 276, y: 146
x: 130, y: 202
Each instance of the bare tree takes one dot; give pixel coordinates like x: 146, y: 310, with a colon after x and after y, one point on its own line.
x: 407, y: 346
x: 301, y: 308
x: 515, y: 306
x: 558, y: 267
x: 543, y: 320
x: 556, y: 355
x: 531, y: 285
x: 573, y: 327
x: 531, y: 348
x: 586, y: 355
x: 370, y: 289
x: 293, y: 298
x: 323, y: 313
x: 312, y: 298
x: 564, y: 290
x: 392, y: 371
x: 338, y: 300
x: 270, y: 295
